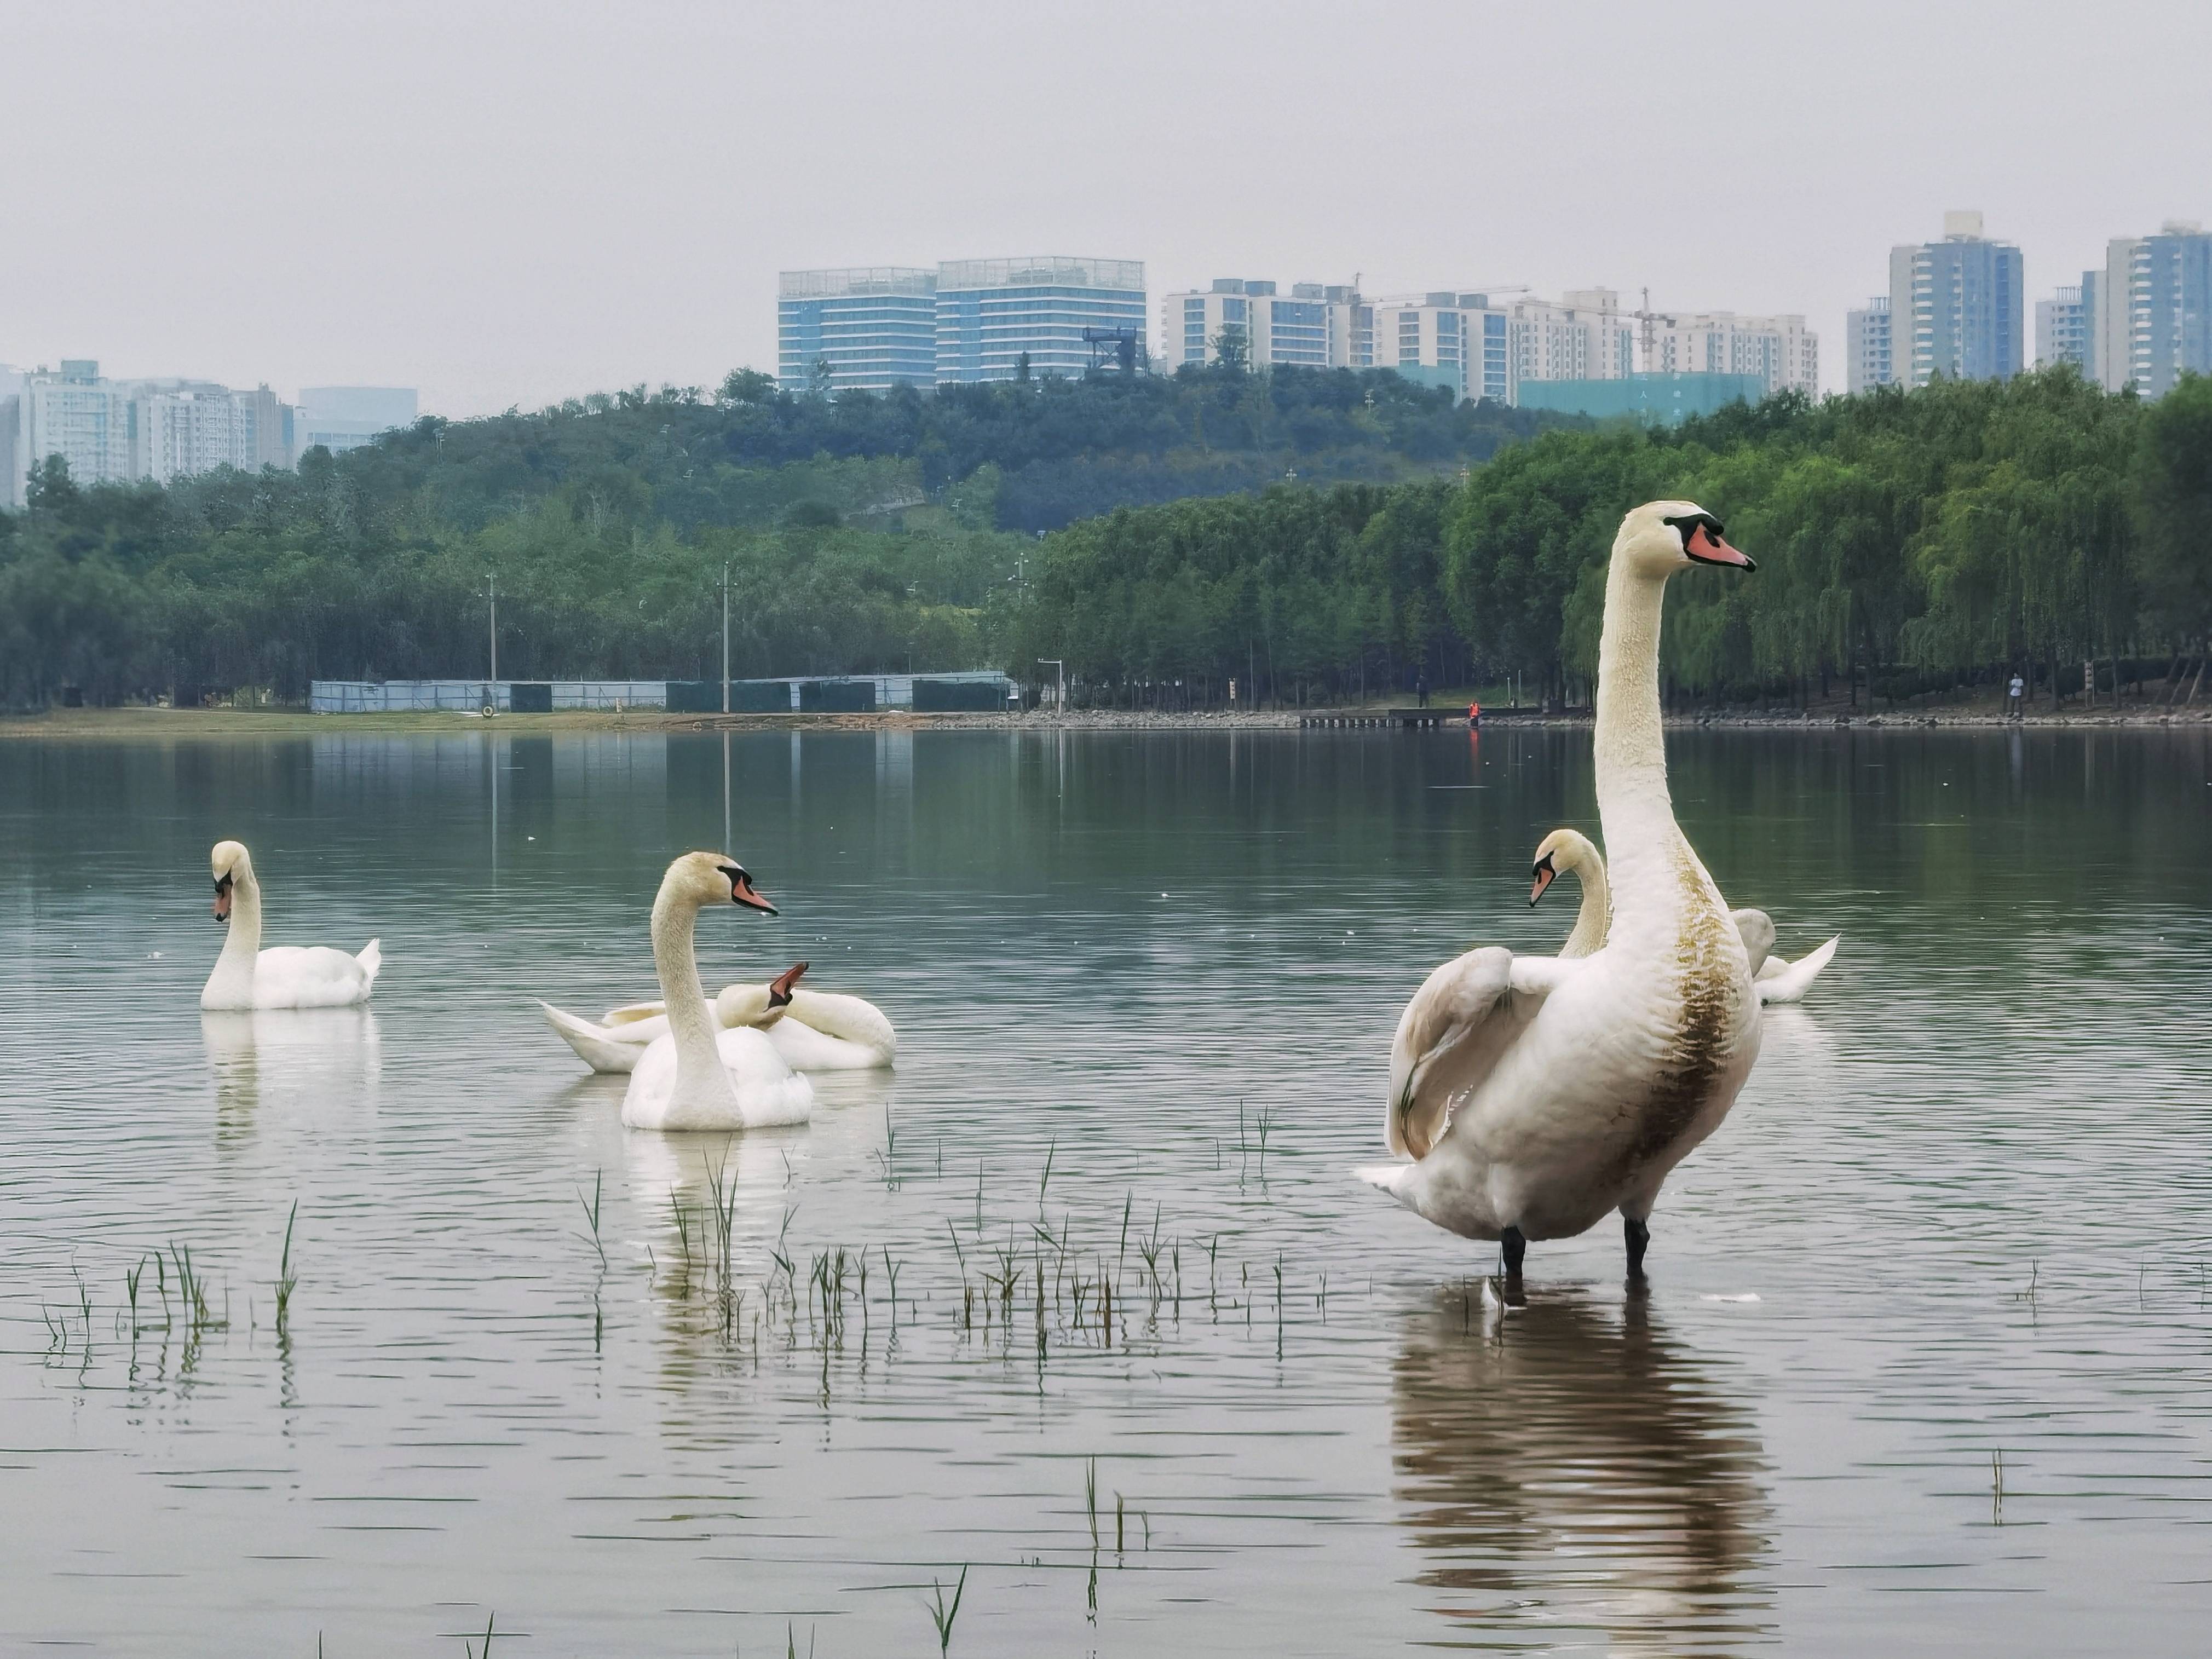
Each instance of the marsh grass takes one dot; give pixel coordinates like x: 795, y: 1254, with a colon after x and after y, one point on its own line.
x: 942, y: 1616
x: 286, y: 1280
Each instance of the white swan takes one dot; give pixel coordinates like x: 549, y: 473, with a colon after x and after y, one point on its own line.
x: 1535, y: 1094
x: 284, y: 975
x: 1778, y: 979
x: 813, y: 1031
x: 693, y: 1076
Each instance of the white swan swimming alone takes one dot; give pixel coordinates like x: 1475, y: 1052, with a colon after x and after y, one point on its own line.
x: 1534, y: 1094
x: 694, y: 1076
x: 1566, y: 851
x: 813, y: 1031
x: 284, y: 975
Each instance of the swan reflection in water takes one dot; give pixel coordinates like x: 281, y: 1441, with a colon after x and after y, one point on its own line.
x: 284, y: 1058
x: 1572, y: 1480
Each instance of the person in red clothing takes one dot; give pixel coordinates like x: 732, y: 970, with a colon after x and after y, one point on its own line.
x: 1474, y: 714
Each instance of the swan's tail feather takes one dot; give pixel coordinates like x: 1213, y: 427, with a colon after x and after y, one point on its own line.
x: 370, y: 958
x: 1395, y: 1179
x: 593, y: 1049
x: 1791, y: 984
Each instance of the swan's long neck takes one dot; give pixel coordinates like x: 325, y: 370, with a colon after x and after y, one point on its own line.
x: 241, y: 944
x: 1596, y: 913
x: 698, y: 1062
x: 1632, y: 803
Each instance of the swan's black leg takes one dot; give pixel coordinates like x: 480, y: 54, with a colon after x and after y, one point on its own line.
x: 1639, y: 1235
x: 1512, y: 1247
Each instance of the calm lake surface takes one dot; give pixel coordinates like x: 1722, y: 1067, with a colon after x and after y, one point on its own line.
x: 1925, y: 1365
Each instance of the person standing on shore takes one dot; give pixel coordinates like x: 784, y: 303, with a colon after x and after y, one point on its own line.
x: 1421, y: 688
x: 2015, y: 697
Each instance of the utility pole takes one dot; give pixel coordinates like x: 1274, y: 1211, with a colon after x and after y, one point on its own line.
x: 492, y: 593
x: 725, y: 643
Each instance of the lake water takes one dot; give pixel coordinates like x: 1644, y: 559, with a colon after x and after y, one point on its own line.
x: 1925, y: 1363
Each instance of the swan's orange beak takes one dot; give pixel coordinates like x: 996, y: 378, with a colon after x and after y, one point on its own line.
x: 742, y: 891
x: 223, y: 900
x: 1546, y: 875
x: 779, y: 988
x: 1706, y: 548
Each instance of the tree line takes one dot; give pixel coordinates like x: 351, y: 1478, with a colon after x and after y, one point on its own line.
x: 1906, y: 541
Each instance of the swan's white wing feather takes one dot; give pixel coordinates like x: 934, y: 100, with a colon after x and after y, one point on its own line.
x: 601, y: 1049
x: 1448, y: 1039
x: 632, y: 1010
x: 310, y: 977
x: 1795, y: 978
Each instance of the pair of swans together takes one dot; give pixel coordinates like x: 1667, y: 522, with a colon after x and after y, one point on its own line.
x: 739, y: 1062
x: 1566, y: 851
x: 1535, y: 1094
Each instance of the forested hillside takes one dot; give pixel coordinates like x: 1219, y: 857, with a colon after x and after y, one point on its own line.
x: 862, y: 531
x: 1904, y: 541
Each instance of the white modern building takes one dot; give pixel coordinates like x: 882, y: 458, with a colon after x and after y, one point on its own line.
x: 872, y: 327
x: 1582, y: 335
x: 1000, y: 320
x: 1316, y: 324
x: 1781, y: 351
x: 1461, y: 340
x: 1869, y: 358
x: 342, y: 417
x: 2152, y: 311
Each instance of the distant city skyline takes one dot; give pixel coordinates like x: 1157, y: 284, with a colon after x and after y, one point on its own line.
x: 513, y: 228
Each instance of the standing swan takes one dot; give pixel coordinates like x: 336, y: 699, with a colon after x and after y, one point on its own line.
x: 285, y: 975
x: 695, y: 1076
x: 1536, y: 1093
x: 1778, y: 979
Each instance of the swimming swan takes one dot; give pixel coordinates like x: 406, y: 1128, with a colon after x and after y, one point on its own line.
x: 813, y: 1031
x: 1535, y: 1093
x: 1564, y: 850
x: 284, y: 975
x: 692, y: 1076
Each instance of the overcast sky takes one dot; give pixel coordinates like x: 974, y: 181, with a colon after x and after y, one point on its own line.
x: 511, y: 203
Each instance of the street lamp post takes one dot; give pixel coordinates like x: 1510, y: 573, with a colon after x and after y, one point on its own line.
x: 492, y: 593
x: 726, y: 639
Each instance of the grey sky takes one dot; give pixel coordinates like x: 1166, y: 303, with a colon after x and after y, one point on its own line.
x: 509, y: 204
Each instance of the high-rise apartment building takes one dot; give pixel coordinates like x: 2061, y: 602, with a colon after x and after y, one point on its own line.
x: 192, y: 428
x: 1314, y: 326
x: 2153, y: 312
x: 11, y: 424
x: 2062, y: 333
x: 79, y: 416
x: 999, y: 319
x: 1781, y: 351
x: 1956, y: 306
x: 1448, y: 338
x: 1584, y: 335
x: 872, y: 327
x: 1868, y: 359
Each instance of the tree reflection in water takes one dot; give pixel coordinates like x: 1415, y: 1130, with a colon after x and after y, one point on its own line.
x: 1572, y: 1480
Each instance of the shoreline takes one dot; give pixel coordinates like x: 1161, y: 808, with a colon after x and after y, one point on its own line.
x: 290, y: 722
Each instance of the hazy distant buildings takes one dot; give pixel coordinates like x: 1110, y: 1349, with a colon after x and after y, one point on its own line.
x: 999, y: 320
x: 342, y: 417
x: 873, y: 327
x: 2062, y: 331
x: 1868, y: 357
x: 2153, y: 314
x: 1781, y: 352
x: 970, y: 321
x: 130, y: 431
x: 1584, y: 336
x: 1955, y: 305
x: 1661, y: 398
